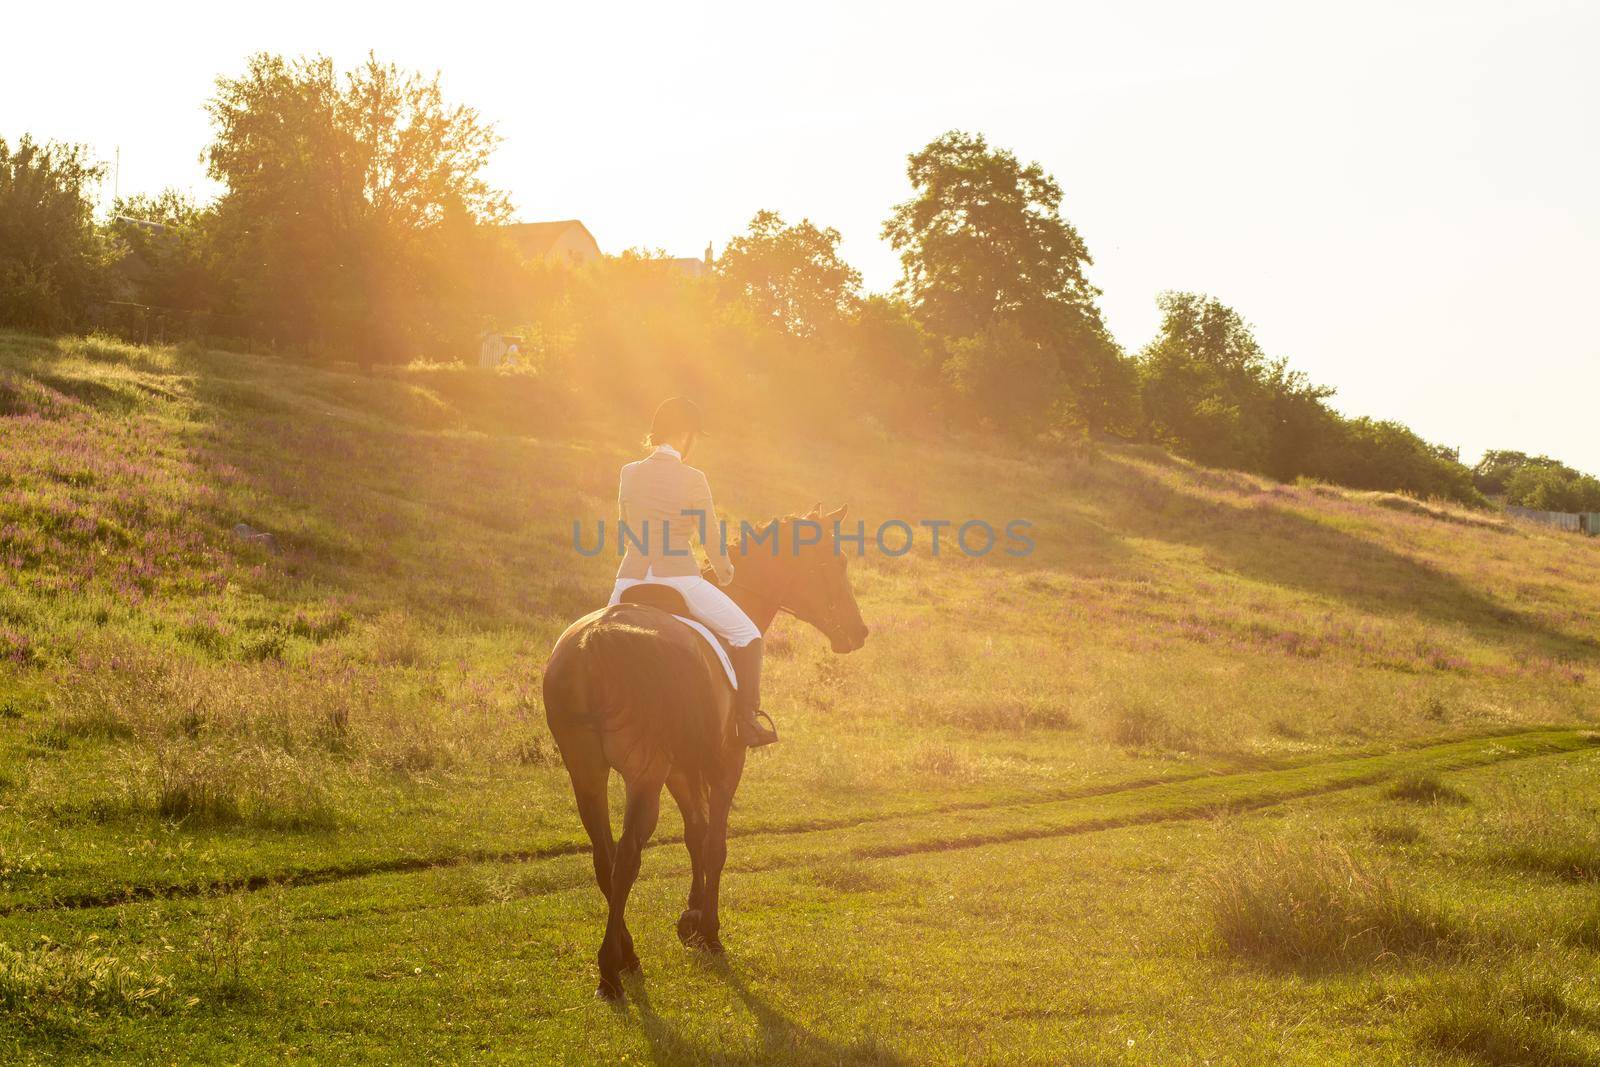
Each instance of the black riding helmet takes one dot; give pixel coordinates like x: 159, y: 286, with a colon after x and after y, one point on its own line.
x: 677, y: 414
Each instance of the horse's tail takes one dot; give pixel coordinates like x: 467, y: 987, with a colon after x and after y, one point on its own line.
x: 652, y: 692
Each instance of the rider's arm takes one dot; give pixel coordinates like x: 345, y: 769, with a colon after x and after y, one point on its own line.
x: 716, y: 549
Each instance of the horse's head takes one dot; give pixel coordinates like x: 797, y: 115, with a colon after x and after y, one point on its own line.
x: 807, y: 574
x: 816, y: 587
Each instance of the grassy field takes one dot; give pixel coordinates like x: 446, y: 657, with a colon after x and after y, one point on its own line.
x: 1226, y: 771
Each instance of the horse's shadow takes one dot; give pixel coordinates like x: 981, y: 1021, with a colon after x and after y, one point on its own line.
x: 783, y: 1040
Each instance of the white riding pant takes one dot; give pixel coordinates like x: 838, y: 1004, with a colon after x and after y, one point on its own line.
x: 706, y: 602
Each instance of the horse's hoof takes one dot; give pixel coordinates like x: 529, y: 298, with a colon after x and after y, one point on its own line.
x: 689, y: 928
x: 610, y: 992
x: 712, y: 944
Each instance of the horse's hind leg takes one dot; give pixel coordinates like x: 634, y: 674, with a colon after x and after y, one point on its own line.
x: 716, y: 848
x: 694, y: 838
x: 587, y: 767
x: 638, y: 823
x: 591, y: 774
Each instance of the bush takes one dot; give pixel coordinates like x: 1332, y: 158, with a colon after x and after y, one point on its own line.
x: 1211, y: 394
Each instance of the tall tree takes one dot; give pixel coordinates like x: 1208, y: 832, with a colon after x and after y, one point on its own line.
x: 983, y: 245
x: 790, y: 276
x: 336, y: 188
x: 983, y: 239
x: 50, y: 257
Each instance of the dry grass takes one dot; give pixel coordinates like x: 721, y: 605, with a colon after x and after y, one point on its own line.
x: 846, y: 876
x: 1560, y: 840
x: 424, y: 517
x: 1396, y: 832
x: 216, y: 785
x: 1425, y: 789
x: 942, y: 762
x: 1314, y: 905
x: 1151, y: 728
x: 52, y: 985
x: 153, y: 670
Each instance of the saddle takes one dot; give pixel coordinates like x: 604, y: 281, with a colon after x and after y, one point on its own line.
x: 651, y: 595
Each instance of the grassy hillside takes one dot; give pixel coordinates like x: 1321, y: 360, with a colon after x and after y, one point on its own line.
x: 210, y: 750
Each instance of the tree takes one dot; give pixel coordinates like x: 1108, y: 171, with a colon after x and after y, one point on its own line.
x: 1372, y: 454
x: 1010, y: 378
x: 983, y: 239
x: 159, y: 252
x: 790, y: 276
x: 50, y: 257
x: 1210, y: 392
x: 337, y: 189
x: 893, y: 364
x: 982, y: 243
x: 1536, y: 482
x: 1496, y: 468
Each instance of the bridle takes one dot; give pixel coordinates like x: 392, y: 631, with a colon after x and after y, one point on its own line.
x: 830, y: 621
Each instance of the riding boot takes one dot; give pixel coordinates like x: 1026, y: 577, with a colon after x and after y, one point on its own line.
x: 747, y: 698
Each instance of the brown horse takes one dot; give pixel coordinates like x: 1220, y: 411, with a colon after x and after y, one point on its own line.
x: 633, y: 689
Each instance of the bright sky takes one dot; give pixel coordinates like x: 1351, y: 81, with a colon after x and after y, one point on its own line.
x: 1400, y: 196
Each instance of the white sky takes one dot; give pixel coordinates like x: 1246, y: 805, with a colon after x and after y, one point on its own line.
x: 1400, y: 196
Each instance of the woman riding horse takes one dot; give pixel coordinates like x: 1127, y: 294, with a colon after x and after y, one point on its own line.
x: 663, y: 504
x: 630, y: 688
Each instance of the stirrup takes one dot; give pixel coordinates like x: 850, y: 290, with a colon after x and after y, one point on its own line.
x: 748, y: 730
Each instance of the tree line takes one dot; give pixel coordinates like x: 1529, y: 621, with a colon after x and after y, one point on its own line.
x: 355, y: 222
x: 1537, y: 482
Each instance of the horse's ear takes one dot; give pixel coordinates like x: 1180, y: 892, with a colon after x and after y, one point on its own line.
x: 816, y: 509
x: 835, y: 516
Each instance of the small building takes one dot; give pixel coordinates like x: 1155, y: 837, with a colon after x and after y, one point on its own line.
x: 568, y: 242
x: 159, y: 229
x: 694, y: 268
x: 495, y: 349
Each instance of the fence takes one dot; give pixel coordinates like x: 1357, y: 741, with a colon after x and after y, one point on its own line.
x: 1585, y: 522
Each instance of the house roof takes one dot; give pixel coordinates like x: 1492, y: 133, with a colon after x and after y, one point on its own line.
x: 688, y: 265
x: 538, y: 238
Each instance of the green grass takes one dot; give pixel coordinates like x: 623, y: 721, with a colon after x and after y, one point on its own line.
x: 1184, y: 785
